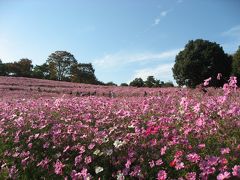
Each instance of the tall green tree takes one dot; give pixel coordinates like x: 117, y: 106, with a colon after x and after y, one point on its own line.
x: 123, y: 84
x: 236, y: 65
x: 137, y: 82
x: 60, y: 64
x: 12, y: 69
x: 24, y: 67
x: 41, y: 71
x: 200, y: 60
x: 152, y: 82
x: 83, y: 73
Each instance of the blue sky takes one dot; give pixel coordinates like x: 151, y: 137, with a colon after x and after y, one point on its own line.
x: 122, y: 39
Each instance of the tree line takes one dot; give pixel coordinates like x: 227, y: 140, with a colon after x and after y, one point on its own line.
x: 199, y: 60
x: 60, y: 65
x: 150, y: 82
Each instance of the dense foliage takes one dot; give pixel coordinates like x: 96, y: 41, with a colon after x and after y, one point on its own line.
x: 150, y: 82
x: 200, y: 60
x: 170, y: 133
x: 236, y: 64
x: 60, y: 65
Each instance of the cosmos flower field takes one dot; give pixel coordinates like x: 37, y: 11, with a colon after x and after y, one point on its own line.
x: 57, y: 130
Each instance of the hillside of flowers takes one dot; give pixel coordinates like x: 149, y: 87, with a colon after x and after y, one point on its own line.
x: 59, y: 130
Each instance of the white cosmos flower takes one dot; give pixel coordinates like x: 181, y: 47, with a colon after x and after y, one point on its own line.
x: 98, y: 169
x: 118, y: 143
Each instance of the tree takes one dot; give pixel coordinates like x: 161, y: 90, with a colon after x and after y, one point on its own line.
x: 236, y: 65
x: 12, y: 69
x: 111, y: 84
x: 200, y: 60
x: 123, y: 84
x: 152, y: 82
x: 137, y: 82
x: 83, y: 73
x: 2, y: 68
x: 60, y: 64
x: 41, y: 71
x: 24, y: 67
x: 167, y: 84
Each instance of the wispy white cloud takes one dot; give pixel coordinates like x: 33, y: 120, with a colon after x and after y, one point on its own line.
x: 234, y: 31
x: 156, y: 21
x: 164, y: 13
x: 160, y: 17
x: 232, y: 36
x: 123, y: 58
x: 162, y: 72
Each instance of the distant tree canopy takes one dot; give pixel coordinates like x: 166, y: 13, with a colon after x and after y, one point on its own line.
x: 236, y: 65
x: 61, y: 63
x: 167, y: 84
x: 41, y: 71
x: 137, y: 82
x: 2, y: 68
x: 200, y: 60
x: 110, y: 84
x: 150, y: 82
x: 22, y: 68
x: 83, y: 73
x: 123, y: 84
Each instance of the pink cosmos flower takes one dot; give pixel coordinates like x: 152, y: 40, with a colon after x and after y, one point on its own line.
x: 78, y: 159
x: 196, y: 108
x: 30, y: 145
x: 225, y: 175
x: 193, y: 157
x: 191, y: 176
x: 201, y: 146
x: 159, y: 162
x: 75, y: 175
x: 236, y: 170
x: 163, y: 150
x: 179, y: 165
x: 178, y: 154
x: 219, y: 75
x: 225, y: 151
x: 206, y: 81
x: 213, y: 161
x: 44, y: 163
x: 84, y: 173
x: 151, y: 130
x: 66, y: 148
x: 58, y: 166
x: 88, y: 160
x: 91, y: 146
x: 200, y: 122
x: 13, y: 172
x: 223, y: 161
x: 152, y: 164
x: 128, y: 163
x: 226, y: 89
x: 162, y: 175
